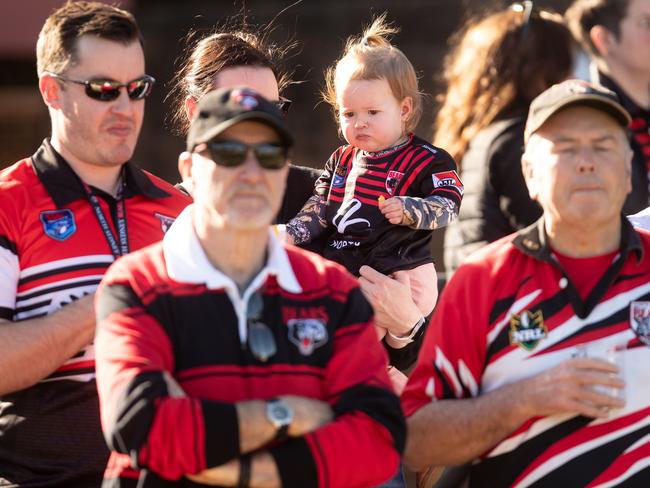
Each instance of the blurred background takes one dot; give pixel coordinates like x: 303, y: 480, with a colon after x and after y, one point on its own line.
x: 320, y: 26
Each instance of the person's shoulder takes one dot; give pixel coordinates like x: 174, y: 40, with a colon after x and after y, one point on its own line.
x: 440, y: 155
x: 302, y: 174
x: 492, y: 259
x: 641, y: 220
x: 19, y: 173
x: 316, y: 273
x: 167, y: 187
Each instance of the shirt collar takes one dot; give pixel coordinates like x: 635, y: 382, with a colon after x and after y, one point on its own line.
x: 533, y: 241
x: 186, y: 261
x: 64, y: 187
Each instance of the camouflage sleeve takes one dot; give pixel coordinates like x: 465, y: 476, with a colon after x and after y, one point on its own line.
x: 310, y: 221
x: 430, y: 213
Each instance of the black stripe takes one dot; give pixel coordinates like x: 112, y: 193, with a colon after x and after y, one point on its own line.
x: 581, y: 470
x: 135, y: 413
x: 115, y: 298
x: 6, y: 313
x: 71, y: 372
x: 638, y: 480
x: 221, y: 432
x: 549, y: 308
x: 8, y: 244
x: 33, y: 306
x: 502, y: 305
x: 67, y: 269
x: 448, y: 390
x: 296, y: 465
x: 53, y: 289
x: 249, y: 374
x: 379, y: 404
x: 503, y: 470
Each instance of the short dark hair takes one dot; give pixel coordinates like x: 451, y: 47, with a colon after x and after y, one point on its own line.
x: 206, y: 57
x: 56, y: 49
x: 583, y: 15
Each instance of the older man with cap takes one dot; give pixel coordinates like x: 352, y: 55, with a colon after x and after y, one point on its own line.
x: 536, y: 366
x: 225, y: 358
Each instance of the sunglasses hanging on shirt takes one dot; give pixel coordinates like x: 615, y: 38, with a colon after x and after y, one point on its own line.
x: 260, y: 338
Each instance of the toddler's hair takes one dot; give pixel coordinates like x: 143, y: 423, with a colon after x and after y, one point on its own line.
x: 372, y: 57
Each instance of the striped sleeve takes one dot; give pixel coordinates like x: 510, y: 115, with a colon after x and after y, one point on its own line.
x: 451, y: 361
x: 144, y: 413
x: 362, y: 446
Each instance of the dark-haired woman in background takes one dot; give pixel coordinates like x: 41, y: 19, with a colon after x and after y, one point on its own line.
x: 499, y: 64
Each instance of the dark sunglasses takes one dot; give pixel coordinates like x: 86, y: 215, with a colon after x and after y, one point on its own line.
x: 233, y: 153
x: 106, y: 90
x: 284, y: 104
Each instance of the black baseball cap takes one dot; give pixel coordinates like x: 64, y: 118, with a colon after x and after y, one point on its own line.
x: 220, y: 109
x: 571, y: 93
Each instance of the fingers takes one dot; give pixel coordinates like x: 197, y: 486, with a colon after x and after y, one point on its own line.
x: 402, y: 277
x: 392, y: 209
x: 371, y: 275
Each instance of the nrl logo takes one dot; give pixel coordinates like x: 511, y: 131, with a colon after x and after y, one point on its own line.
x: 307, y: 334
x: 640, y: 320
x: 527, y: 329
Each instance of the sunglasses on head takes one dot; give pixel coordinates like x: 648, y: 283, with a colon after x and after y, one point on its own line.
x: 233, y: 153
x: 106, y: 90
x: 526, y: 8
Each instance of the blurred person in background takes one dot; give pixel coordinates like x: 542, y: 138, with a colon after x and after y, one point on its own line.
x: 499, y: 64
x: 616, y: 34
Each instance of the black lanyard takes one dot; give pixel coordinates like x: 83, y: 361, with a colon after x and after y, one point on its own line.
x: 120, y: 223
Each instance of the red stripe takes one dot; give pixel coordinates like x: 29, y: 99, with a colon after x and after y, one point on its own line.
x: 413, y: 173
x: 78, y: 365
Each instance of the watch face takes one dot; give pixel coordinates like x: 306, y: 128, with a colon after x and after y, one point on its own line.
x: 279, y: 413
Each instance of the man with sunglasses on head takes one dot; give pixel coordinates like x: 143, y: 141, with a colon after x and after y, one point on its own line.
x: 66, y: 213
x: 227, y: 358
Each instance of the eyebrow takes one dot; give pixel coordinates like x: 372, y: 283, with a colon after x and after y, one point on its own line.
x: 604, y: 138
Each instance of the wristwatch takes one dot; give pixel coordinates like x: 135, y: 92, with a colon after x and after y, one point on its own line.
x: 280, y: 414
x: 409, y: 338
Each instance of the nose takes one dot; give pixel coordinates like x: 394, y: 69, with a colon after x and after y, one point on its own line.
x: 586, y: 161
x: 360, y: 123
x: 251, y: 169
x: 123, y: 103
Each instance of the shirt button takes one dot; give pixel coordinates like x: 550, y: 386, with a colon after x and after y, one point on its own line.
x: 563, y: 283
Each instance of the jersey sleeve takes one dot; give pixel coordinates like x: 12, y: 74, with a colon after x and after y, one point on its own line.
x: 9, y: 257
x: 451, y: 361
x: 433, y: 191
x: 310, y: 223
x: 362, y: 446
x: 144, y: 413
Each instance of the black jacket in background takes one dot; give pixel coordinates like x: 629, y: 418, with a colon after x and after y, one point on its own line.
x: 496, y: 200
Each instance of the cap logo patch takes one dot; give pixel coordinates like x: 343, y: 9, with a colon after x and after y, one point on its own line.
x: 245, y: 98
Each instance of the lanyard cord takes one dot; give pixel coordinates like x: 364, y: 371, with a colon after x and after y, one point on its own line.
x: 123, y: 247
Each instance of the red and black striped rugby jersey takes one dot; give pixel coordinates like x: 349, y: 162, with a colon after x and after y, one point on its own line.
x: 166, y: 312
x: 511, y: 312
x: 351, y: 183
x: 53, y: 251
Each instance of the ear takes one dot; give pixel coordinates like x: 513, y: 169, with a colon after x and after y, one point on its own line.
x: 190, y: 107
x: 185, y: 165
x: 50, y: 91
x: 601, y: 38
x: 528, y: 170
x: 406, y: 108
x: 629, y: 154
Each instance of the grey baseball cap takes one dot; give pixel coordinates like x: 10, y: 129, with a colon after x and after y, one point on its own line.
x: 571, y: 93
x: 223, y: 108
